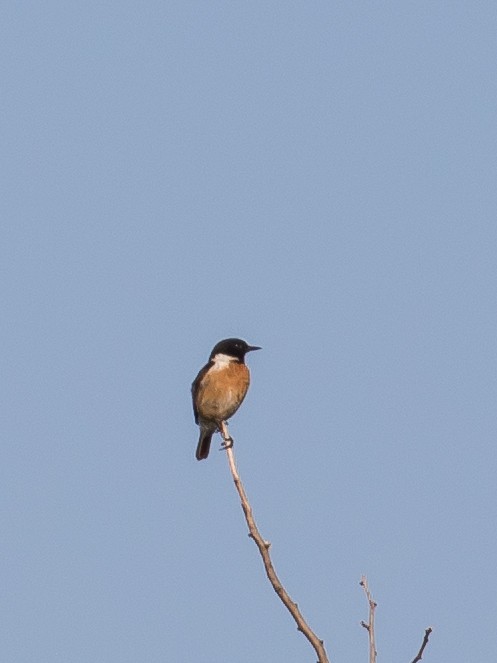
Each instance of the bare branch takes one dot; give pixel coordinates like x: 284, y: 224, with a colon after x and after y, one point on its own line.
x: 263, y: 547
x: 419, y: 655
x: 369, y: 626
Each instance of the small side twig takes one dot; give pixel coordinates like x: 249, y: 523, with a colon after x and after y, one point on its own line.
x: 419, y: 655
x: 369, y: 626
x: 263, y: 547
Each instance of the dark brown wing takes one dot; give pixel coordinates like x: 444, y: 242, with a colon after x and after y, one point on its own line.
x: 196, y: 387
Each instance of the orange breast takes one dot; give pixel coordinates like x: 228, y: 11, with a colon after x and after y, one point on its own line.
x: 222, y: 392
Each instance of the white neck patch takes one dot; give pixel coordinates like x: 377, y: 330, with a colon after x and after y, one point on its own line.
x: 222, y: 361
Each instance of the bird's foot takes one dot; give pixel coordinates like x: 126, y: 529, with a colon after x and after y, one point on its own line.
x: 227, y: 443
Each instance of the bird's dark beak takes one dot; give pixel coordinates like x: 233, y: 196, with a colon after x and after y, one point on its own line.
x: 253, y: 347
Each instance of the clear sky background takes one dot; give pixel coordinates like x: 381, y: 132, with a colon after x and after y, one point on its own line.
x: 318, y: 178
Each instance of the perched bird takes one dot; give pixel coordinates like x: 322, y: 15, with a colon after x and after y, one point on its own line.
x: 219, y: 389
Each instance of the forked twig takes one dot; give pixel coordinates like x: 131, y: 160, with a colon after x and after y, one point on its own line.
x: 419, y: 655
x: 369, y: 626
x: 263, y: 547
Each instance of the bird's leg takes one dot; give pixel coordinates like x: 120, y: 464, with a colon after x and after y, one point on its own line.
x: 227, y: 442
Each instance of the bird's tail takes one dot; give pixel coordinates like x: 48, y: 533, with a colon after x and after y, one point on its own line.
x: 204, y: 444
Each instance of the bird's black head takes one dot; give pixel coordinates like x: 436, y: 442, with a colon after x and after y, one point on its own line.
x: 233, y: 347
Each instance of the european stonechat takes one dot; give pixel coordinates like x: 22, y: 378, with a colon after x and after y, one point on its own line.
x: 219, y: 389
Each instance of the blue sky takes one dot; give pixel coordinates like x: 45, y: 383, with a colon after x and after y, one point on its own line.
x: 319, y: 179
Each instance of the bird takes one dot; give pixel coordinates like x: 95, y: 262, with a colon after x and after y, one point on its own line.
x: 219, y: 389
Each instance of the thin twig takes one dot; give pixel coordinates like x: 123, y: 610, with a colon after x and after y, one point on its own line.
x: 369, y: 626
x: 419, y: 655
x: 263, y: 547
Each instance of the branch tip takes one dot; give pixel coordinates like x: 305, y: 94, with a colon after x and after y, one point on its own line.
x: 369, y: 626
x: 419, y: 655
